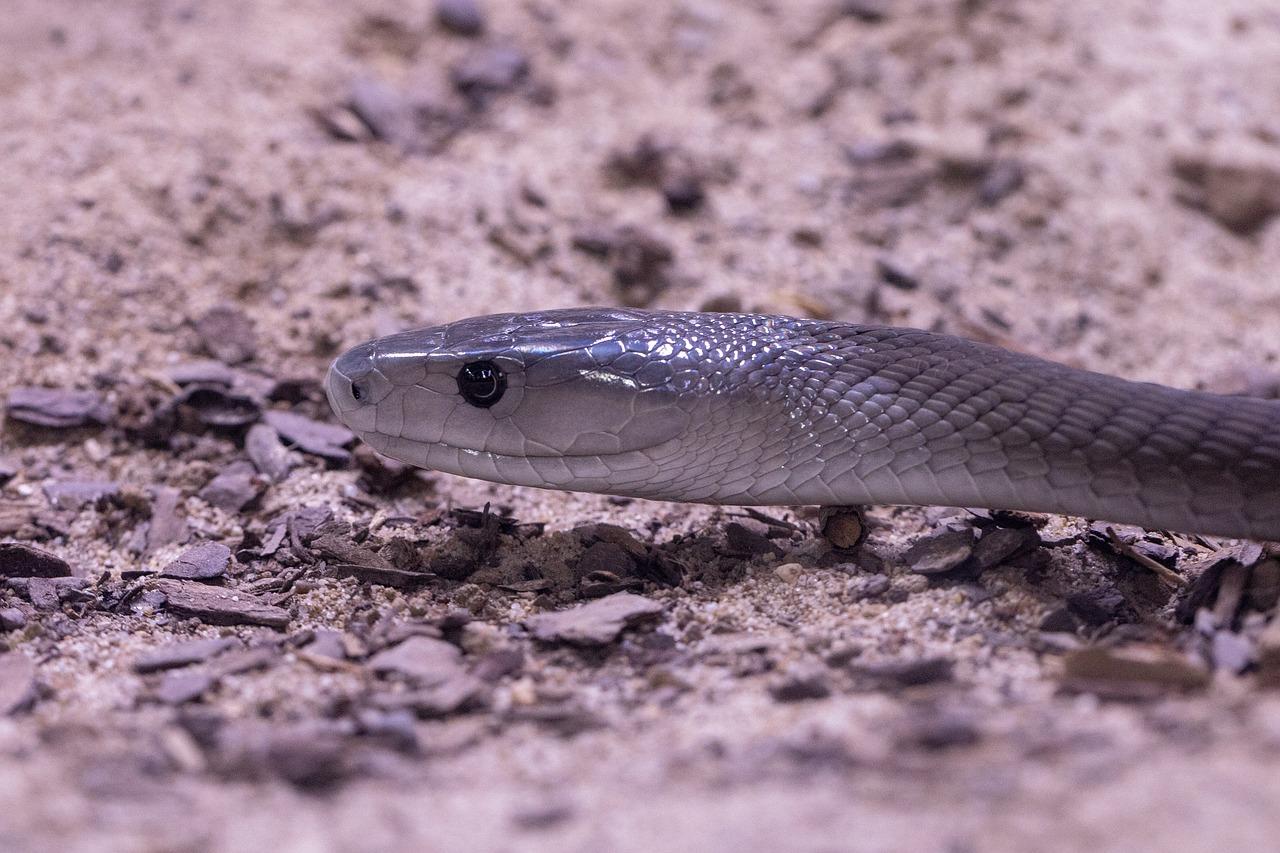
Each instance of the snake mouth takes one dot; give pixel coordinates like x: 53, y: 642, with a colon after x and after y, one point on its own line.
x: 408, y: 450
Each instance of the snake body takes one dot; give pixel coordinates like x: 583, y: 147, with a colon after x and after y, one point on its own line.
x: 753, y: 409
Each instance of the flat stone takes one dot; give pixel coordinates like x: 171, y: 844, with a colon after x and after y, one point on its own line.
x: 206, y: 561
x: 178, y: 688
x: 183, y: 654
x: 908, y: 673
x: 461, y: 17
x: 17, y: 683
x: 58, y: 408
x: 24, y: 561
x: 218, y: 606
x: 605, y: 557
x: 327, y: 643
x: 1001, y: 544
x: 11, y: 619
x: 269, y: 456
x: 1240, y: 189
x: 422, y: 660
x: 233, y: 488
x: 800, y: 687
x: 311, y: 436
x: 167, y: 525
x: 596, y: 623
x: 491, y: 68
x: 940, y: 552
x: 202, y: 373
x: 75, y: 494
x: 440, y: 700
x: 46, y: 593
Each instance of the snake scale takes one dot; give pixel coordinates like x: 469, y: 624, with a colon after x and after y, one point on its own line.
x: 753, y: 409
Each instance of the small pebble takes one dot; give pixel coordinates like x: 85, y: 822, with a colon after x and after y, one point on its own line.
x: 789, y: 572
x: 461, y: 17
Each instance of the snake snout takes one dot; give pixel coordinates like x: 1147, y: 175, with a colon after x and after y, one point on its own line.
x: 355, y: 386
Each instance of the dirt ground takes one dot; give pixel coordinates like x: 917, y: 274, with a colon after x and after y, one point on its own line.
x: 202, y: 203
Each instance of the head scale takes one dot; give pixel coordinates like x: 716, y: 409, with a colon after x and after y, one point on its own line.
x: 528, y: 399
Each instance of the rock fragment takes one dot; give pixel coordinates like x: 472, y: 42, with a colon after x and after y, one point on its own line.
x: 597, y: 623
x: 999, y: 545
x: 204, y: 562
x: 749, y: 539
x: 908, y: 673
x: 425, y: 661
x: 310, y: 436
x: 940, y: 552
x: 11, y: 619
x: 17, y: 683
x: 232, y: 489
x: 24, y: 561
x: 227, y: 334
x: 800, y: 686
x: 461, y: 17
x: 214, y: 406
x: 489, y: 69
x: 75, y: 494
x: 167, y: 526
x: 178, y: 688
x: 47, y: 594
x: 57, y: 408
x: 182, y: 654
x: 1239, y: 189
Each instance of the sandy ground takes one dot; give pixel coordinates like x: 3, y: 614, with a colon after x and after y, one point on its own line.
x: 1027, y: 173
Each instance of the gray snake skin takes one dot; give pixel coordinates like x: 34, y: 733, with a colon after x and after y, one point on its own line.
x: 755, y: 410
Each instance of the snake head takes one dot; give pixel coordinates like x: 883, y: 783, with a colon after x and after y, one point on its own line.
x: 524, y: 397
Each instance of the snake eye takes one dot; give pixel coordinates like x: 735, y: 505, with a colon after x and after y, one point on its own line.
x: 356, y: 391
x: 481, y: 383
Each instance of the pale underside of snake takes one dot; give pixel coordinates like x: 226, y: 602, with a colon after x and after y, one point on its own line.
x: 751, y: 409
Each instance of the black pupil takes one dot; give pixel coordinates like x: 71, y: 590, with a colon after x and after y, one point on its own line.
x: 481, y: 383
x: 356, y: 393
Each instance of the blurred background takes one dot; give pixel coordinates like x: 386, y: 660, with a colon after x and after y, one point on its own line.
x: 202, y: 203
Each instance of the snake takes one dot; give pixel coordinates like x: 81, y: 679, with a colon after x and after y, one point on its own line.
x: 758, y: 410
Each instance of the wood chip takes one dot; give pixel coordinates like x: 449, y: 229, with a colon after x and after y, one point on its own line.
x: 843, y: 527
x: 218, y: 606
x: 1131, y: 672
x: 597, y: 623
